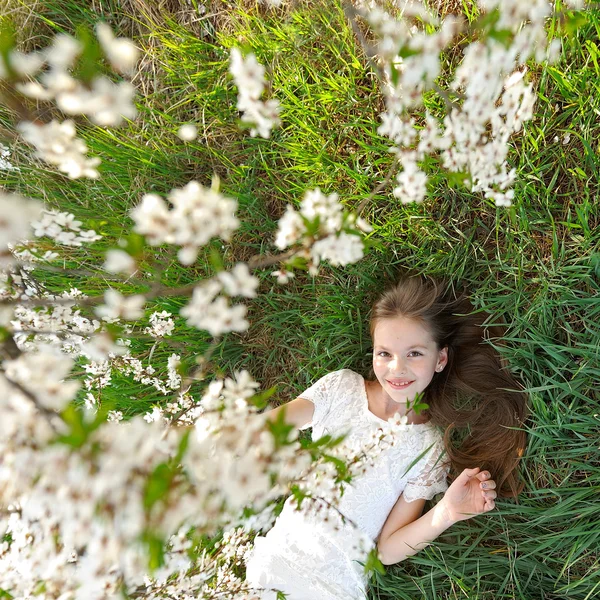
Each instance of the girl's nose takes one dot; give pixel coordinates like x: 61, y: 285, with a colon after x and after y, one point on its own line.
x: 397, y: 365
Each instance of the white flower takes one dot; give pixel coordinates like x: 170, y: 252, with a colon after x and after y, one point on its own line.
x: 242, y: 386
x: 63, y: 51
x: 121, y: 52
x: 118, y: 261
x: 239, y: 281
x: 339, y: 250
x: 316, y: 204
x: 249, y: 78
x: 118, y: 306
x: 43, y: 374
x: 161, y: 324
x: 115, y: 415
x: 155, y: 415
x: 152, y: 219
x: 16, y: 215
x: 290, y: 228
x: 412, y: 184
x: 198, y: 214
x: 63, y: 228
x: 283, y: 276
x: 106, y: 103
x: 56, y: 144
x: 215, y: 316
x: 187, y: 132
x: 248, y: 73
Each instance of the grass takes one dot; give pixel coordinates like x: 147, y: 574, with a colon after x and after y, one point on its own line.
x: 534, y: 267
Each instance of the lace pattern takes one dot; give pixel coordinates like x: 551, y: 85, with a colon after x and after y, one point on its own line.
x: 301, y: 557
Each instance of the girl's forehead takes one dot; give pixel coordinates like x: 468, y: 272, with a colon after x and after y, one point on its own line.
x: 401, y: 331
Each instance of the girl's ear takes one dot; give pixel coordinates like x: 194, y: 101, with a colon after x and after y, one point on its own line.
x: 443, y: 357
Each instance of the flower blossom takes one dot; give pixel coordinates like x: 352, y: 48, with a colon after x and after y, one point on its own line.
x: 118, y: 306
x: 248, y: 74
x: 55, y: 143
x: 198, y: 214
x: 121, y: 52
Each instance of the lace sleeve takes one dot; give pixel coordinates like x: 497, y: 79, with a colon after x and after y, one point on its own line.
x: 321, y: 395
x: 432, y: 478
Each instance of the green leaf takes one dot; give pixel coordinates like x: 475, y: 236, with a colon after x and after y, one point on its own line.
x: 373, y: 243
x: 88, y: 66
x: 280, y: 430
x: 216, y: 260
x: 373, y: 563
x: 298, y: 494
x: 340, y: 465
x: 183, y: 445
x: 260, y: 400
x: 457, y: 179
x: 487, y: 20
x: 135, y: 244
x: 312, y: 225
x: 7, y: 36
x: 405, y: 52
x: 504, y: 36
x: 157, y: 485
x: 573, y: 21
x: 297, y: 262
x: 79, y: 428
x: 156, y: 551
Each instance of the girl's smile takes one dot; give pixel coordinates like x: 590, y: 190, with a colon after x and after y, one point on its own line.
x: 400, y: 384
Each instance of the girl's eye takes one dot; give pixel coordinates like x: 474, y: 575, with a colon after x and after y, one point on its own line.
x: 413, y: 352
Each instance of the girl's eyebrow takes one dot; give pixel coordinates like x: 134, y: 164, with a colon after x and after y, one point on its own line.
x: 415, y: 346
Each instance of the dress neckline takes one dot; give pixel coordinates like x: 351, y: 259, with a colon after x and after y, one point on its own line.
x: 367, y: 410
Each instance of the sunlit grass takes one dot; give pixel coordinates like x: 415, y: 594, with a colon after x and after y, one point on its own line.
x: 534, y: 267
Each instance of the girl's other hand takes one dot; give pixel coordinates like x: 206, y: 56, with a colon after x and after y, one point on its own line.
x: 471, y: 493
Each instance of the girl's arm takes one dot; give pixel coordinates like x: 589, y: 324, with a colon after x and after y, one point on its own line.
x: 298, y: 412
x: 411, y: 538
x: 470, y: 494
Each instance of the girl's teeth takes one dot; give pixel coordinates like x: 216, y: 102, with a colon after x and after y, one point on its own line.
x: 399, y: 385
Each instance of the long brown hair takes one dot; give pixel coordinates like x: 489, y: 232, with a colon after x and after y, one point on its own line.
x: 474, y: 397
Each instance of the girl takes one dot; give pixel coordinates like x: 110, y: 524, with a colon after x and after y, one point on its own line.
x: 424, y: 340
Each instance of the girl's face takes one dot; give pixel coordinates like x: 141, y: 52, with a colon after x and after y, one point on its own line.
x: 404, y: 353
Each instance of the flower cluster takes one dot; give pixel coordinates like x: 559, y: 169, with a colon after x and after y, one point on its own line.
x: 197, y: 215
x: 46, y: 76
x: 63, y: 228
x: 17, y: 214
x: 326, y: 216
x: 487, y: 101
x: 56, y: 143
x: 42, y: 375
x: 249, y: 75
x: 211, y: 312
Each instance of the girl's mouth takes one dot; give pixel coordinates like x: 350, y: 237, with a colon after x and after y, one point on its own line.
x: 399, y: 386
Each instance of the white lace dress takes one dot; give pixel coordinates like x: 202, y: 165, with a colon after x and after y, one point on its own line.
x: 305, y: 559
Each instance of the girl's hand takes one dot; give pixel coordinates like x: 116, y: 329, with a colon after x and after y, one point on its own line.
x: 470, y: 494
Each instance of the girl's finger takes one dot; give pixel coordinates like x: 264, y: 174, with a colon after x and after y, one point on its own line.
x: 483, y: 476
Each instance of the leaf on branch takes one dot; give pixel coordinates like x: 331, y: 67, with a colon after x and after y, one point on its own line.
x: 372, y: 563
x: 88, y: 66
x: 156, y: 550
x: 80, y: 429
x: 260, y: 400
x: 573, y: 21
x: 157, y: 485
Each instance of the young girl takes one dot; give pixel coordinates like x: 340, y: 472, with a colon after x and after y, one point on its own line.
x: 424, y: 340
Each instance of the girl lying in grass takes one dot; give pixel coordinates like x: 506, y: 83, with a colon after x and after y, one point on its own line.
x: 424, y: 341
